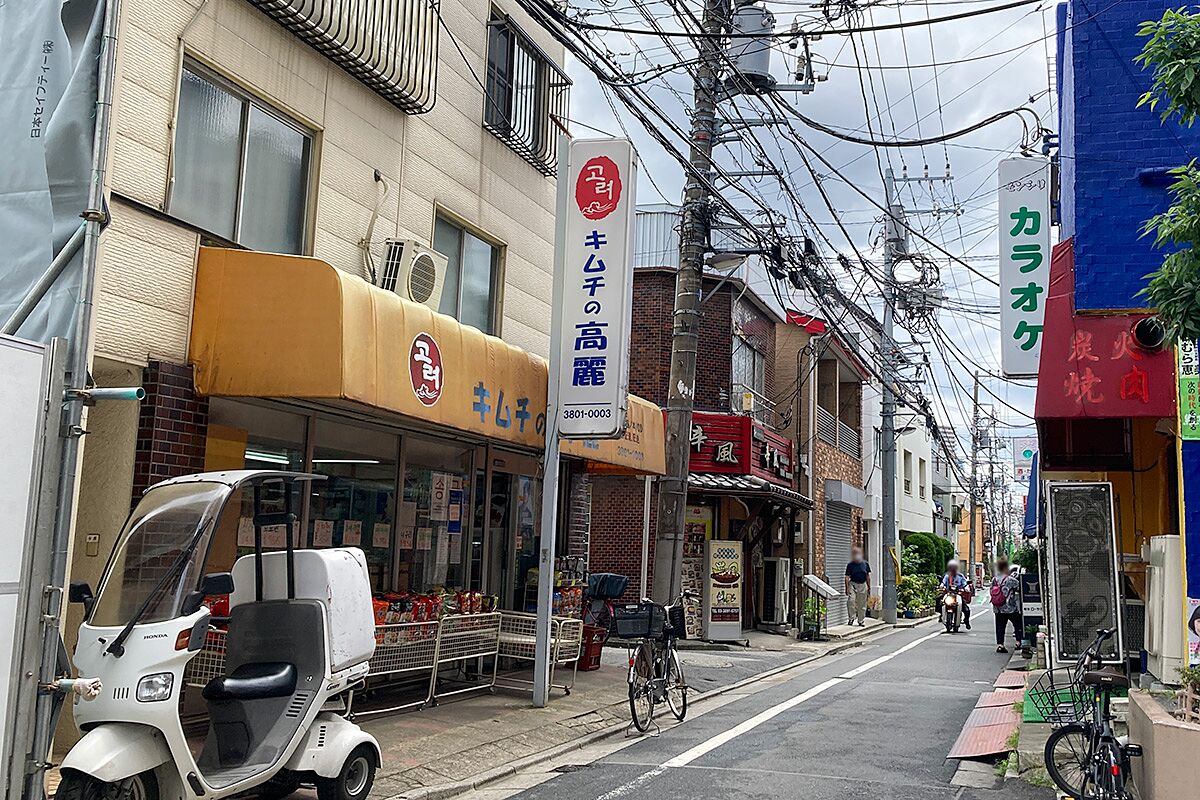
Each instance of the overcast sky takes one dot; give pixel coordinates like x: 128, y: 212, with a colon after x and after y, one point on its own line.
x: 904, y: 103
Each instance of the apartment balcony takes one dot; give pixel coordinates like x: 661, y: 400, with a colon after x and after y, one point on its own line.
x: 836, y: 433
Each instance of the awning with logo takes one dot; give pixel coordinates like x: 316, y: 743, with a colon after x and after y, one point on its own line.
x: 275, y: 326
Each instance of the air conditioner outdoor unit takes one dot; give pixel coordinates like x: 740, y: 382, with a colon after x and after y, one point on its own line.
x: 1166, y: 647
x: 777, y: 585
x: 413, y: 271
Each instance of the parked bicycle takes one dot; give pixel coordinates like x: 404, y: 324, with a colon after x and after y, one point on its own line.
x: 655, y: 670
x: 1084, y: 756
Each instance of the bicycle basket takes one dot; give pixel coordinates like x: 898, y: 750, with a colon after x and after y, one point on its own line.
x: 607, y: 585
x: 640, y: 620
x: 1054, y: 698
x: 678, y: 624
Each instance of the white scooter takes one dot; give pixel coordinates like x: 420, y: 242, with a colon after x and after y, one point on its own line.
x: 300, y: 633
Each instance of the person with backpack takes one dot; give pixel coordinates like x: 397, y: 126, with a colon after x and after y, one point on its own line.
x: 1006, y: 603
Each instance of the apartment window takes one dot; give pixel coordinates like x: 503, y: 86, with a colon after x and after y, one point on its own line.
x: 241, y: 169
x: 749, y: 371
x: 470, y: 292
x: 526, y: 96
x: 908, y: 472
x: 921, y: 482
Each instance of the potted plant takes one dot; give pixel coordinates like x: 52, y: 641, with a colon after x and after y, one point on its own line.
x: 814, y: 613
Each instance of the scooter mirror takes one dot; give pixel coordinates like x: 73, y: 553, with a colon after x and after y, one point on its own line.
x: 216, y: 583
x: 81, y: 592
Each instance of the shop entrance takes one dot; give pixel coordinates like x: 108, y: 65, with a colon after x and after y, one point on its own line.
x: 514, y: 514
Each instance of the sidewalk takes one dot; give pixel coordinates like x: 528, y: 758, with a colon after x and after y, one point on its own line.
x: 477, y: 738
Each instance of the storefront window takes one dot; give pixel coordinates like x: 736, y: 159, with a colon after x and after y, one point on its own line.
x: 356, y: 505
x: 431, y: 548
x: 247, y: 436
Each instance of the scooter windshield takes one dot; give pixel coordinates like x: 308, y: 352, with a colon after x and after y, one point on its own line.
x: 162, y: 529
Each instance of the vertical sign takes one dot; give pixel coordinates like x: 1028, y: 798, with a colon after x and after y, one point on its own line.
x: 597, y: 288
x: 1023, y: 448
x: 723, y: 592
x: 1189, y: 389
x: 1024, y: 203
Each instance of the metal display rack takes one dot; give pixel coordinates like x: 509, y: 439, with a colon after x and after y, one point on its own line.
x: 518, y: 641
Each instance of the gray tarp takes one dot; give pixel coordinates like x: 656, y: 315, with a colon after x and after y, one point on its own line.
x: 49, y: 52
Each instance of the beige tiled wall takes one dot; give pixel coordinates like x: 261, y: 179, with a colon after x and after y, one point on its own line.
x: 440, y: 159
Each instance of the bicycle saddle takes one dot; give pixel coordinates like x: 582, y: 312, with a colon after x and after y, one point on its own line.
x: 1106, y: 677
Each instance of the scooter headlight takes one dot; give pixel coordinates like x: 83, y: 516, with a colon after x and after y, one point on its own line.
x: 156, y: 687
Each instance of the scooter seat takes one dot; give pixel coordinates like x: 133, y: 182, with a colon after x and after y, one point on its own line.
x: 253, y: 682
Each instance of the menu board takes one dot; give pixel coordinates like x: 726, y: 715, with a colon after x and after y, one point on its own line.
x: 723, y: 591
x: 323, y: 533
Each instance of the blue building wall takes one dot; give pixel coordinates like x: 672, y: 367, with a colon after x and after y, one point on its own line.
x: 1113, y: 155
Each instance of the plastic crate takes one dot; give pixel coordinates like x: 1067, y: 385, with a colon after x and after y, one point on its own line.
x: 640, y: 621
x: 593, y: 648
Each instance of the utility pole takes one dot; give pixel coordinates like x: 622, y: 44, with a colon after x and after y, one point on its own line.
x: 893, y: 241
x: 974, y: 460
x: 693, y: 241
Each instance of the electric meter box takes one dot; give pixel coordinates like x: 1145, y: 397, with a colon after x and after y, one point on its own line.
x: 338, y: 578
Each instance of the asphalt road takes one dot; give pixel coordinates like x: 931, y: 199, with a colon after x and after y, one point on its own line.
x: 874, y: 723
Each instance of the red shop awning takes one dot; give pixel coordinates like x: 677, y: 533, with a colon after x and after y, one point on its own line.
x: 1090, y: 365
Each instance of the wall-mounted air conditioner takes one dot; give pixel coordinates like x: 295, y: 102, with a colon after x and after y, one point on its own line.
x: 413, y: 271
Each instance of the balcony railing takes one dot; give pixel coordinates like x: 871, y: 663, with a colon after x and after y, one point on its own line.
x: 389, y: 45
x: 836, y: 433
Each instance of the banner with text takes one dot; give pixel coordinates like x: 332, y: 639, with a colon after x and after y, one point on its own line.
x: 597, y: 289
x: 1024, y: 204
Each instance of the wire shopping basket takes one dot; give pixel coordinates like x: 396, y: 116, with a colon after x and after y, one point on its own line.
x: 1056, y: 698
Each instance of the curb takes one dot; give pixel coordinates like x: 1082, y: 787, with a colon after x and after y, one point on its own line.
x: 447, y: 790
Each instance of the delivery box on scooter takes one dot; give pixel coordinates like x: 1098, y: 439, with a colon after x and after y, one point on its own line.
x: 337, y: 577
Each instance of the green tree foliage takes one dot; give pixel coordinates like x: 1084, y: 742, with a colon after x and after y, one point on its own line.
x: 933, y: 552
x: 1026, y: 558
x: 1172, y: 52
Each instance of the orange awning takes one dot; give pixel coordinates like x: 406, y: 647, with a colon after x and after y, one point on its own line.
x: 266, y: 325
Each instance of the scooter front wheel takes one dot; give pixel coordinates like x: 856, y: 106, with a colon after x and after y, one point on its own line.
x: 78, y: 786
x: 354, y: 781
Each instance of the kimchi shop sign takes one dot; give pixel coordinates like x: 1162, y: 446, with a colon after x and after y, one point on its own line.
x: 595, y: 271
x: 1024, y: 202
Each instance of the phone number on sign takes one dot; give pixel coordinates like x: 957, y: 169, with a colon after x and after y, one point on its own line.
x: 587, y: 413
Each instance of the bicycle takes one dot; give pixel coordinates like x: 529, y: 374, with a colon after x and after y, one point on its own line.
x: 1084, y: 757
x: 655, y: 670
x: 598, y: 608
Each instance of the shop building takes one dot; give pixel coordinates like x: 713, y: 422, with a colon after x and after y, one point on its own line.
x: 395, y: 344
x: 825, y: 421
x: 1106, y: 407
x: 742, y: 488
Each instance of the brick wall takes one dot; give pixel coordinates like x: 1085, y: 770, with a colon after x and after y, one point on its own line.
x: 829, y: 462
x: 172, y: 426
x: 1106, y: 142
x: 616, y: 534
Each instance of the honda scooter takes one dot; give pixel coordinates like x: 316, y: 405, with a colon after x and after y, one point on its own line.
x: 300, y: 633
x: 952, y: 611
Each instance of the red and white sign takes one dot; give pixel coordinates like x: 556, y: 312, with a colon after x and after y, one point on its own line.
x: 735, y: 444
x: 598, y: 188
x: 425, y: 369
x: 594, y: 272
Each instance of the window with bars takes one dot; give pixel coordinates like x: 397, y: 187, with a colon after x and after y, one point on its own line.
x: 749, y: 371
x: 526, y: 101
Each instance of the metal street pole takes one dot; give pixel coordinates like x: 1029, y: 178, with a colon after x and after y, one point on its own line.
x: 693, y: 241
x: 892, y: 236
x: 974, y: 459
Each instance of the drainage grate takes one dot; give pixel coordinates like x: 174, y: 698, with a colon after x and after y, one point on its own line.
x: 565, y: 768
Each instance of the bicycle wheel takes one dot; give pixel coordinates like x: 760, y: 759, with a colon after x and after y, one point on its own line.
x: 1068, y: 757
x: 676, y: 686
x: 1111, y: 776
x: 641, y: 687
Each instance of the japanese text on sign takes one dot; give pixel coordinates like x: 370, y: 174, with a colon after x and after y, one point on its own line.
x: 1189, y: 390
x: 1024, y: 202
x: 597, y: 289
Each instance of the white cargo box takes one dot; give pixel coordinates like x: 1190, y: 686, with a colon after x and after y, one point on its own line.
x: 337, y: 577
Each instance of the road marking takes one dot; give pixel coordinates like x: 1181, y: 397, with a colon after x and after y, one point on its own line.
x: 688, y: 756
x: 854, y: 673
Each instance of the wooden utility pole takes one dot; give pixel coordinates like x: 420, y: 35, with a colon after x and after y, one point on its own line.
x: 693, y: 243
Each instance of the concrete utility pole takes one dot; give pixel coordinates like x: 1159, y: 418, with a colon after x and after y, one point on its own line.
x: 693, y: 242
x: 974, y: 459
x: 893, y: 242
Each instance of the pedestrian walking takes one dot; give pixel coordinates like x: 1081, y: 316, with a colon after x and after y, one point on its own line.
x: 1006, y: 604
x: 858, y: 585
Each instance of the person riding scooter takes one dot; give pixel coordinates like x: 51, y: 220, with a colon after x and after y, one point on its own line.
x: 953, y: 579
